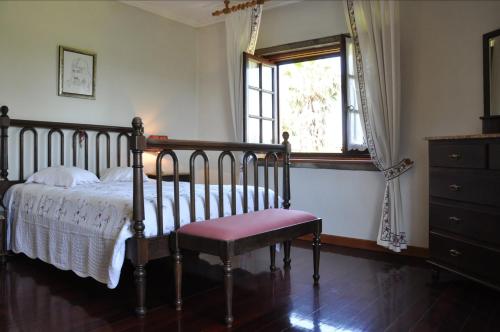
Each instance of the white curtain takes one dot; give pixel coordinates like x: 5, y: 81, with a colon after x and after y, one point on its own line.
x: 242, y: 29
x: 375, y: 32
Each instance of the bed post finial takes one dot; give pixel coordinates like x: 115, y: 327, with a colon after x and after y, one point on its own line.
x: 4, y: 109
x: 286, y: 170
x: 4, y: 146
x: 137, y: 126
x: 140, y: 254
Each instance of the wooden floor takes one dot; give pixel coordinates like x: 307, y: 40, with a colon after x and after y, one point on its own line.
x: 359, y: 291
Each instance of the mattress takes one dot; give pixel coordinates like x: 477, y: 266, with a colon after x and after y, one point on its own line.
x: 84, y: 228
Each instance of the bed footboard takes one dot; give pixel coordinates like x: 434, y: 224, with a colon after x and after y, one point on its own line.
x: 4, y: 182
x: 273, y: 156
x: 142, y: 249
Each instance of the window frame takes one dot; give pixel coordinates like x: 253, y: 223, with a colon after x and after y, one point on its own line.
x: 275, y: 113
x: 312, y: 50
x: 340, y: 53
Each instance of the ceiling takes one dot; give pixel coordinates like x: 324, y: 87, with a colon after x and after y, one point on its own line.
x: 194, y: 12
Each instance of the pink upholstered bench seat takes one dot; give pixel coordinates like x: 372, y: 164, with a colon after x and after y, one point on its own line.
x: 244, y: 225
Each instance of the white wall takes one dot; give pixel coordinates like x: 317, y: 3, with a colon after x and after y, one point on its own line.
x: 335, y: 195
x: 348, y: 201
x: 441, y: 59
x: 146, y: 64
x: 215, y: 122
x: 442, y: 90
x: 176, y: 78
x: 301, y: 21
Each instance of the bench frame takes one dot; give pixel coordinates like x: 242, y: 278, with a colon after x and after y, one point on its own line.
x: 226, y: 250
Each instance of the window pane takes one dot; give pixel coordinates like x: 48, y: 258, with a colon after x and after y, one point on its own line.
x: 267, y: 131
x: 311, y: 104
x: 253, y: 102
x: 253, y: 130
x: 350, y: 57
x: 253, y: 74
x: 267, y: 105
x: 355, y: 135
x: 267, y: 78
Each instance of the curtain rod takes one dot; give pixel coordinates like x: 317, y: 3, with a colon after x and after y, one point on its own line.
x: 231, y: 9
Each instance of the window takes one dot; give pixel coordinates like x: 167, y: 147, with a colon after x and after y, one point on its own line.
x: 260, y: 100
x: 310, y: 103
x: 307, y: 89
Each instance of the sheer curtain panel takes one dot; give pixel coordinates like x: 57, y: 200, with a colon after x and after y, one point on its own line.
x: 374, y: 28
x: 242, y: 29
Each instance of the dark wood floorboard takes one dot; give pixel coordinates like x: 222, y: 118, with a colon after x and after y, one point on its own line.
x: 359, y: 291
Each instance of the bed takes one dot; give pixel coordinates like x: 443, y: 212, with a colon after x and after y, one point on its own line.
x: 84, y: 228
x: 91, y: 229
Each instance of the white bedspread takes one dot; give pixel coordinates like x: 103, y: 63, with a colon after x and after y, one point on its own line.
x: 84, y: 228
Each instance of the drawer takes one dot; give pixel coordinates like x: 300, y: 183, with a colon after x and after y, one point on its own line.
x: 494, y: 155
x: 471, y: 222
x: 457, y: 154
x: 475, y: 186
x: 471, y: 259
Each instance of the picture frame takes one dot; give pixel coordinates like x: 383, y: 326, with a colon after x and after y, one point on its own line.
x: 77, y: 71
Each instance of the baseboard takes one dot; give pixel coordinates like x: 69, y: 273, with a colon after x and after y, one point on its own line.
x: 350, y: 242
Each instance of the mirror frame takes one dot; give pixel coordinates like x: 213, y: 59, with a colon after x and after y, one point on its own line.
x: 491, y: 123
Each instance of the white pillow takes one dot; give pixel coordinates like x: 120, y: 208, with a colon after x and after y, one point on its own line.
x: 62, y: 176
x: 119, y: 174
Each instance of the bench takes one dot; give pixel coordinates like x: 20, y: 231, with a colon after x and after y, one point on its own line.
x: 231, y: 236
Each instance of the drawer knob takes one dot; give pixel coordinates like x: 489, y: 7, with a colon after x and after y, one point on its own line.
x: 454, y: 156
x: 455, y: 253
x: 454, y: 187
x: 454, y: 220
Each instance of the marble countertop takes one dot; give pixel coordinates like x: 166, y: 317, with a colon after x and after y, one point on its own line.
x: 457, y: 137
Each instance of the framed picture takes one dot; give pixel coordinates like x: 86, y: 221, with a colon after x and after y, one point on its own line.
x: 76, y: 73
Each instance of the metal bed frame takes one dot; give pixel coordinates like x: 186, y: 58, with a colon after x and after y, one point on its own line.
x: 141, y: 249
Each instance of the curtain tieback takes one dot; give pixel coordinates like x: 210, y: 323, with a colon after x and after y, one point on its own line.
x: 398, y: 169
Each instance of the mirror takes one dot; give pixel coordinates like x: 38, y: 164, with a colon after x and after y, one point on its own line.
x: 491, y: 73
x: 493, y: 68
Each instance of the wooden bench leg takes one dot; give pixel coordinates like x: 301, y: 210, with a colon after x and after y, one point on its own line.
x: 286, y: 248
x: 178, y: 280
x: 140, y: 285
x: 272, y: 252
x: 228, y: 287
x: 316, y: 252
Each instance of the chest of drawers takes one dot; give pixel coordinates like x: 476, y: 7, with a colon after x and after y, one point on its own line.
x: 464, y: 206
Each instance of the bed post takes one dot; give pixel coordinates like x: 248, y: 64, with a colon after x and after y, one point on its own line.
x: 286, y: 193
x: 4, y: 153
x: 4, y: 172
x: 286, y: 170
x: 140, y: 255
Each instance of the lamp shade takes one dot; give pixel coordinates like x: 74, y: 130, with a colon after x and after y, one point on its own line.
x: 149, y: 159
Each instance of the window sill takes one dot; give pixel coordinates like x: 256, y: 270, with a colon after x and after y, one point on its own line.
x: 340, y: 163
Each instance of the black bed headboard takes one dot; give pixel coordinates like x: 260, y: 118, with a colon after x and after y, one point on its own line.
x: 79, y: 134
